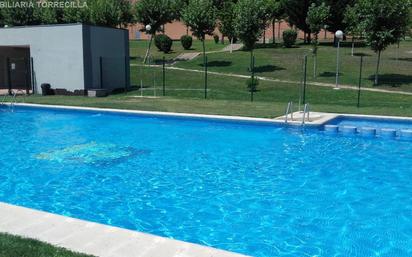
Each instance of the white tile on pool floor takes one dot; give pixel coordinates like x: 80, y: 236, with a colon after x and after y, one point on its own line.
x: 96, y: 239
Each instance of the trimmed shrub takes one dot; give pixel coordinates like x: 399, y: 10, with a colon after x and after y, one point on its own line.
x: 216, y: 38
x: 252, y: 84
x: 186, y: 41
x: 163, y: 43
x: 289, y: 37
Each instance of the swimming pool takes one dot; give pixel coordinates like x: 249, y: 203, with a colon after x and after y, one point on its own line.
x: 262, y: 190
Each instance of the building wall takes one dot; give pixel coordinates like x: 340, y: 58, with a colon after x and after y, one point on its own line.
x: 57, y: 53
x: 112, y: 47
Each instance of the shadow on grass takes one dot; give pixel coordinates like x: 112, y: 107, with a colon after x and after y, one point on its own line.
x: 361, y: 54
x: 394, y: 80
x: 268, y: 68
x: 329, y: 74
x: 217, y: 64
x: 402, y: 59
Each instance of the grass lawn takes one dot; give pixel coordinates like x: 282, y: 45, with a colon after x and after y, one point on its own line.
x: 13, y: 246
x: 138, y: 48
x: 228, y: 96
x: 286, y: 64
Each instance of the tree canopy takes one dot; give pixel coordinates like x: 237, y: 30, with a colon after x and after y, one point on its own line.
x: 251, y: 17
x: 156, y: 12
x: 384, y: 22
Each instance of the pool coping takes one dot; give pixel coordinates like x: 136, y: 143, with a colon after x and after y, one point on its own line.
x: 94, y: 238
x: 277, y: 120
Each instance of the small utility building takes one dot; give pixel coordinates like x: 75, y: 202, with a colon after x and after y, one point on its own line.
x: 72, y: 58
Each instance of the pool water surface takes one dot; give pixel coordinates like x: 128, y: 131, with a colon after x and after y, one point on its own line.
x: 261, y: 190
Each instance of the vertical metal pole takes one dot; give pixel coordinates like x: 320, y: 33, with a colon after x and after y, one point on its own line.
x: 205, y: 77
x: 142, y: 72
x: 101, y: 72
x: 164, y: 76
x: 304, y: 79
x: 33, y: 85
x: 360, y: 80
x: 125, y: 75
x: 253, y: 79
x: 337, y: 66
x: 8, y: 75
x: 154, y: 74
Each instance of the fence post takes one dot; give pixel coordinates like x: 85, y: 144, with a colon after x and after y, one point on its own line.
x: 360, y: 80
x: 33, y: 85
x: 305, y: 63
x: 126, y: 71
x: 164, y: 76
x: 8, y: 75
x: 252, y: 89
x: 101, y: 71
x: 205, y: 77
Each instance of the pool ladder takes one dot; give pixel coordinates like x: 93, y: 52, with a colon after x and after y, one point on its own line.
x: 11, y: 99
x: 305, y: 114
x: 289, y: 111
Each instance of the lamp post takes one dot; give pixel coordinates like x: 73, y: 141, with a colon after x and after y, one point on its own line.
x: 148, y: 28
x: 339, y: 37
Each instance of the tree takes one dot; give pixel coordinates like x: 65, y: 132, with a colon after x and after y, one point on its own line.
x: 250, y: 22
x: 200, y: 16
x: 226, y: 22
x: 23, y: 15
x: 337, y: 13
x: 276, y: 11
x: 73, y: 15
x: 155, y: 13
x: 106, y: 12
x: 384, y: 22
x: 297, y: 10
x: 351, y: 24
x: 316, y: 19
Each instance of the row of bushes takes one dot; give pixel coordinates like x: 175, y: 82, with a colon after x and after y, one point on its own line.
x: 164, y: 43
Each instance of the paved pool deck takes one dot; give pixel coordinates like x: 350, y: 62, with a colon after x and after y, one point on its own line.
x: 96, y: 239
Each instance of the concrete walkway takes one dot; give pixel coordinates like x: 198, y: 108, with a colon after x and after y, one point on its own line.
x: 191, y: 56
x: 96, y: 239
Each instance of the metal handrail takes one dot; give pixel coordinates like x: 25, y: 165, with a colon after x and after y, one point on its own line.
x: 12, y: 102
x: 306, y: 111
x: 289, y: 110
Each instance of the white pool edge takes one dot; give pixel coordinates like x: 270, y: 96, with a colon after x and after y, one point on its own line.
x: 94, y: 238
x: 327, y: 116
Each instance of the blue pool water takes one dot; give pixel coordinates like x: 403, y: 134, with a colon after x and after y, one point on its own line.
x: 397, y: 124
x: 254, y: 189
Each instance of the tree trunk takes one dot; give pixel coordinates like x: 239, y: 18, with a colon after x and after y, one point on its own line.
x: 315, y: 56
x: 204, y: 50
x: 279, y: 29
x: 264, y: 36
x: 377, y: 69
x: 273, y: 32
x: 251, y: 60
x: 315, y: 65
x: 148, y: 49
x: 304, y: 37
x: 309, y: 38
x: 353, y: 45
x: 231, y: 45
